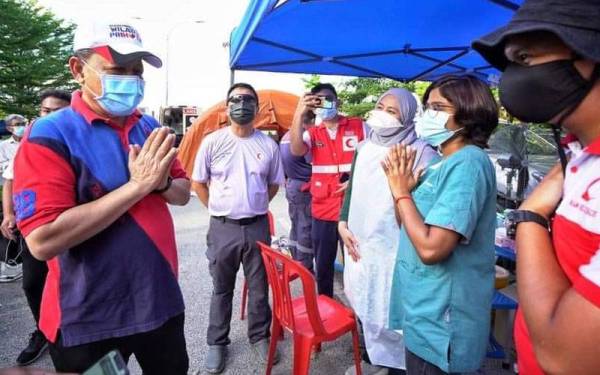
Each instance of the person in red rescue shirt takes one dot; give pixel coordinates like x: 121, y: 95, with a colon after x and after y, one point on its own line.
x: 550, y: 57
x: 332, y: 143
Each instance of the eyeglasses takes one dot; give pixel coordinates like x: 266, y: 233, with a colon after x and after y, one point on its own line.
x: 20, y: 124
x: 434, y: 108
x: 438, y: 106
x: 235, y: 99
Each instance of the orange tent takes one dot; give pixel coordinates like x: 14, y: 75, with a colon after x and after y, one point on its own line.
x: 275, y: 113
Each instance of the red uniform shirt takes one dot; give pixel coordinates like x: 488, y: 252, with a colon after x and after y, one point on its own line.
x: 331, y: 159
x: 576, y: 239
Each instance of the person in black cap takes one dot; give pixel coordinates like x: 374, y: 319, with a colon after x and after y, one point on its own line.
x: 550, y: 57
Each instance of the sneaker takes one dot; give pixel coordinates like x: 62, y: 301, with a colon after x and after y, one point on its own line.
x: 262, y: 350
x: 34, y: 350
x: 215, y: 359
x: 367, y: 369
x: 10, y: 272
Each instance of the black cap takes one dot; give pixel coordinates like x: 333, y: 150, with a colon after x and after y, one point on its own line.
x: 576, y: 22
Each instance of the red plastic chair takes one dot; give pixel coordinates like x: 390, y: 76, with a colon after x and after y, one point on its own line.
x: 245, y: 286
x: 310, y: 318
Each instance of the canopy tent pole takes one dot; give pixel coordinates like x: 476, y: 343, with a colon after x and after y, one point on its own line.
x: 231, y: 77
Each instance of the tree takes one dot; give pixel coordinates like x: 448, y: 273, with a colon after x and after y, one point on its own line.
x: 34, y: 50
x: 312, y: 81
x: 359, y: 95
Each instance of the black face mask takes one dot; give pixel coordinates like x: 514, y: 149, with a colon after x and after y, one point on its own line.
x: 242, y: 113
x: 538, y: 93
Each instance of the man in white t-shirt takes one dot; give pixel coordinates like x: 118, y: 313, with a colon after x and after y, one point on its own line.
x: 33, y: 271
x: 15, y: 124
x: 10, y: 259
x: 237, y: 172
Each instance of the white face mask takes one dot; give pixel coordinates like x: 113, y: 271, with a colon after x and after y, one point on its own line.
x: 382, y: 120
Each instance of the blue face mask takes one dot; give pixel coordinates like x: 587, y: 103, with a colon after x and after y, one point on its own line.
x: 121, y: 94
x: 326, y: 113
x: 19, y: 131
x: 431, y: 127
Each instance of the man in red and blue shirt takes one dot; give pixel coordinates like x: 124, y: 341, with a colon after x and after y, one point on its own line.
x: 550, y: 57
x: 91, y: 188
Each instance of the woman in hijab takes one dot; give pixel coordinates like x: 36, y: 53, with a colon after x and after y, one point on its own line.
x: 369, y: 228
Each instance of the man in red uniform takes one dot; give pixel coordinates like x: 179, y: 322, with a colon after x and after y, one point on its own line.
x: 550, y: 56
x: 332, y: 144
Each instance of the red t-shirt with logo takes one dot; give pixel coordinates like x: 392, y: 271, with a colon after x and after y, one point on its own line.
x: 576, y: 239
x: 123, y: 280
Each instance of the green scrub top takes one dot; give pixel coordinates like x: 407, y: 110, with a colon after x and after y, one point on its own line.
x: 444, y: 309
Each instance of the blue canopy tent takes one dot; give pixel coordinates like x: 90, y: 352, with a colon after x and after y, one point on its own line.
x: 398, y: 39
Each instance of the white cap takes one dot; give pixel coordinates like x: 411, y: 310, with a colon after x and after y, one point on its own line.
x: 123, y: 40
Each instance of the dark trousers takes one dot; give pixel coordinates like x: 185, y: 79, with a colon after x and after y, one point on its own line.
x: 228, y: 245
x: 416, y: 365
x: 34, y: 279
x: 10, y: 251
x: 364, y: 355
x: 325, y: 244
x: 161, y: 351
x: 306, y: 259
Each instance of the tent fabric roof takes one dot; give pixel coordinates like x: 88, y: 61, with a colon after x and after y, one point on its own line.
x: 398, y: 39
x: 276, y: 111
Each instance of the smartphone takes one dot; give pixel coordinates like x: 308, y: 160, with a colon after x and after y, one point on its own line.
x: 322, y: 102
x: 309, y: 118
x: 344, y: 177
x: 111, y: 364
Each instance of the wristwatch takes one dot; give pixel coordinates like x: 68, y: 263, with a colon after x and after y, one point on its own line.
x: 169, y: 182
x: 513, y: 218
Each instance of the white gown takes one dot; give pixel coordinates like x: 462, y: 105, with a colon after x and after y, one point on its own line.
x: 368, y: 282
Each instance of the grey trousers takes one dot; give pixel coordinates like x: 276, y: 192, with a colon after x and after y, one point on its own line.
x: 228, y: 245
x: 301, y: 219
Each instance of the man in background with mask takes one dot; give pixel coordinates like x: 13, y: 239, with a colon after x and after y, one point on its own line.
x: 331, y: 144
x: 236, y: 173
x: 11, y: 266
x: 91, y: 188
x: 34, y: 271
x: 550, y: 57
x: 15, y: 124
x: 298, y: 170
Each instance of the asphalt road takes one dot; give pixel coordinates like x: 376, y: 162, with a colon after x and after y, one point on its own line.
x: 191, y: 223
